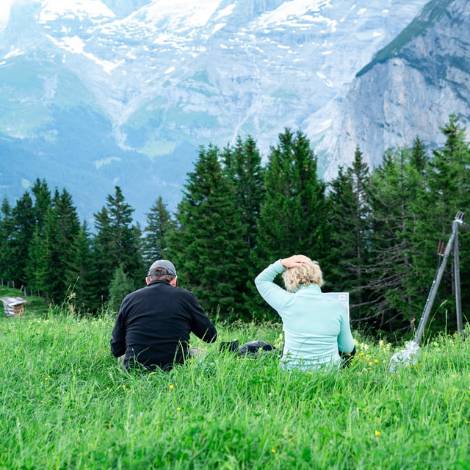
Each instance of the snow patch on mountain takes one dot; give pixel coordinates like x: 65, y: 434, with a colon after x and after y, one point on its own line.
x: 82, y: 9
x: 5, y: 9
x: 76, y: 45
x: 179, y: 15
x: 13, y: 52
x: 292, y: 9
x: 227, y: 11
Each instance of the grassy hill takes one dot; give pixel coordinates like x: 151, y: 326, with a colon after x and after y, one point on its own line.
x: 66, y: 404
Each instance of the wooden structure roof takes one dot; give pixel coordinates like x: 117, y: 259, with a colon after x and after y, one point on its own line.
x: 13, y: 305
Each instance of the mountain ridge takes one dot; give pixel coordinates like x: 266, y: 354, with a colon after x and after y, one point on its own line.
x: 431, y: 12
x: 158, y: 82
x: 412, y: 91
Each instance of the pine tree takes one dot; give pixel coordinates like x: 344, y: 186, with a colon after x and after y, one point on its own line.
x: 419, y: 157
x: 242, y: 164
x: 102, y: 265
x: 38, y: 260
x: 23, y: 224
x: 125, y: 240
x: 159, y: 223
x: 117, y: 242
x: 448, y: 176
x: 68, y: 231
x: 120, y: 286
x: 42, y: 202
x: 36, y: 256
x: 49, y: 280
x: 62, y: 227
x: 6, y: 227
x: 397, y: 191
x: 293, y: 214
x: 207, y: 245
x: 350, y: 223
x: 359, y: 174
x: 82, y: 280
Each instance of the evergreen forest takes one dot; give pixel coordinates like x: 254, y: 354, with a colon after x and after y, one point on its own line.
x: 374, y: 232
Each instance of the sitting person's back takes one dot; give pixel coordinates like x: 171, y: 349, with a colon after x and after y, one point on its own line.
x: 316, y: 327
x: 154, y: 323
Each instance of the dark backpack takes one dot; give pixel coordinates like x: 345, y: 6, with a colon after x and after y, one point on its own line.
x: 250, y: 348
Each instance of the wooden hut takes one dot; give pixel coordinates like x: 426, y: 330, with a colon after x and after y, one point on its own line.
x: 13, y: 306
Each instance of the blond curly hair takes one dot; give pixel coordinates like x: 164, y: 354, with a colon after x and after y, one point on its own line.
x: 304, y: 275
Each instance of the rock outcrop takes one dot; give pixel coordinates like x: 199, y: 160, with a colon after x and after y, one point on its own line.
x: 409, y: 89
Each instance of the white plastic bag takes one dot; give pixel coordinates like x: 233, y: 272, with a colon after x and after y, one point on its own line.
x: 405, y: 357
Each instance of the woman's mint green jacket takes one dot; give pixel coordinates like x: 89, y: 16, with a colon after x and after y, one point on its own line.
x: 315, y: 325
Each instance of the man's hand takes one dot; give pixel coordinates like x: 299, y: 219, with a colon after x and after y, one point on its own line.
x: 295, y: 261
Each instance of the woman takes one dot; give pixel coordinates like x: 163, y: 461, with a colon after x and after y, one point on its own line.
x: 316, y: 327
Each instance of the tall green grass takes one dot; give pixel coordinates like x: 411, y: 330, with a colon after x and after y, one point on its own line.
x: 65, y: 403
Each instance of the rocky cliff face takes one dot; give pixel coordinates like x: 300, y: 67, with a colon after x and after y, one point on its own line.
x: 95, y: 93
x: 409, y: 89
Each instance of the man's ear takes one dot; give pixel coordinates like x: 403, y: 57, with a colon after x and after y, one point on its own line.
x: 147, y: 280
x: 174, y: 282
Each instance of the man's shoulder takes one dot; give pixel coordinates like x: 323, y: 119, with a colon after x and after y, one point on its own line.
x: 136, y: 292
x: 184, y: 293
x: 139, y: 293
x: 131, y: 295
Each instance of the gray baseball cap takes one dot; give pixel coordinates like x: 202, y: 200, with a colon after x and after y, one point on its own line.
x: 168, y: 266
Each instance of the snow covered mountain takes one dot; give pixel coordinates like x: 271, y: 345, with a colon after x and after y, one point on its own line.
x: 409, y: 89
x: 94, y: 93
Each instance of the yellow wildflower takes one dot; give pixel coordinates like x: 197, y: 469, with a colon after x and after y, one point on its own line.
x: 171, y: 387
x: 377, y: 434
x: 273, y: 450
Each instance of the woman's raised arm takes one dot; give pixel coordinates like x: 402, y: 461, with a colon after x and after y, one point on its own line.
x: 274, y: 295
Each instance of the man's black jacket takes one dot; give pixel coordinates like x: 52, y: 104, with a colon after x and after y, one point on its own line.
x: 154, y: 324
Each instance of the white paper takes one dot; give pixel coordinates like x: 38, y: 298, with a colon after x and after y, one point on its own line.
x: 343, y: 297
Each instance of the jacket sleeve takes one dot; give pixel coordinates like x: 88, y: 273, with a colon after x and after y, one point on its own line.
x: 118, y: 337
x: 201, y: 326
x: 345, y: 339
x: 273, y: 294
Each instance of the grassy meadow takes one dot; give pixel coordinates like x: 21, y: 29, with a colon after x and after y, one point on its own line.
x: 65, y: 403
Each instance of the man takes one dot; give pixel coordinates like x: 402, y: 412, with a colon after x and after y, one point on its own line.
x: 154, y: 323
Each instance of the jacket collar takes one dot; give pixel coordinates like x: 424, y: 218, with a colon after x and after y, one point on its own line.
x: 313, y: 288
x: 153, y: 283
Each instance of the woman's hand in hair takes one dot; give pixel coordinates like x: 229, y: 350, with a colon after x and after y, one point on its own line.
x: 295, y: 261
